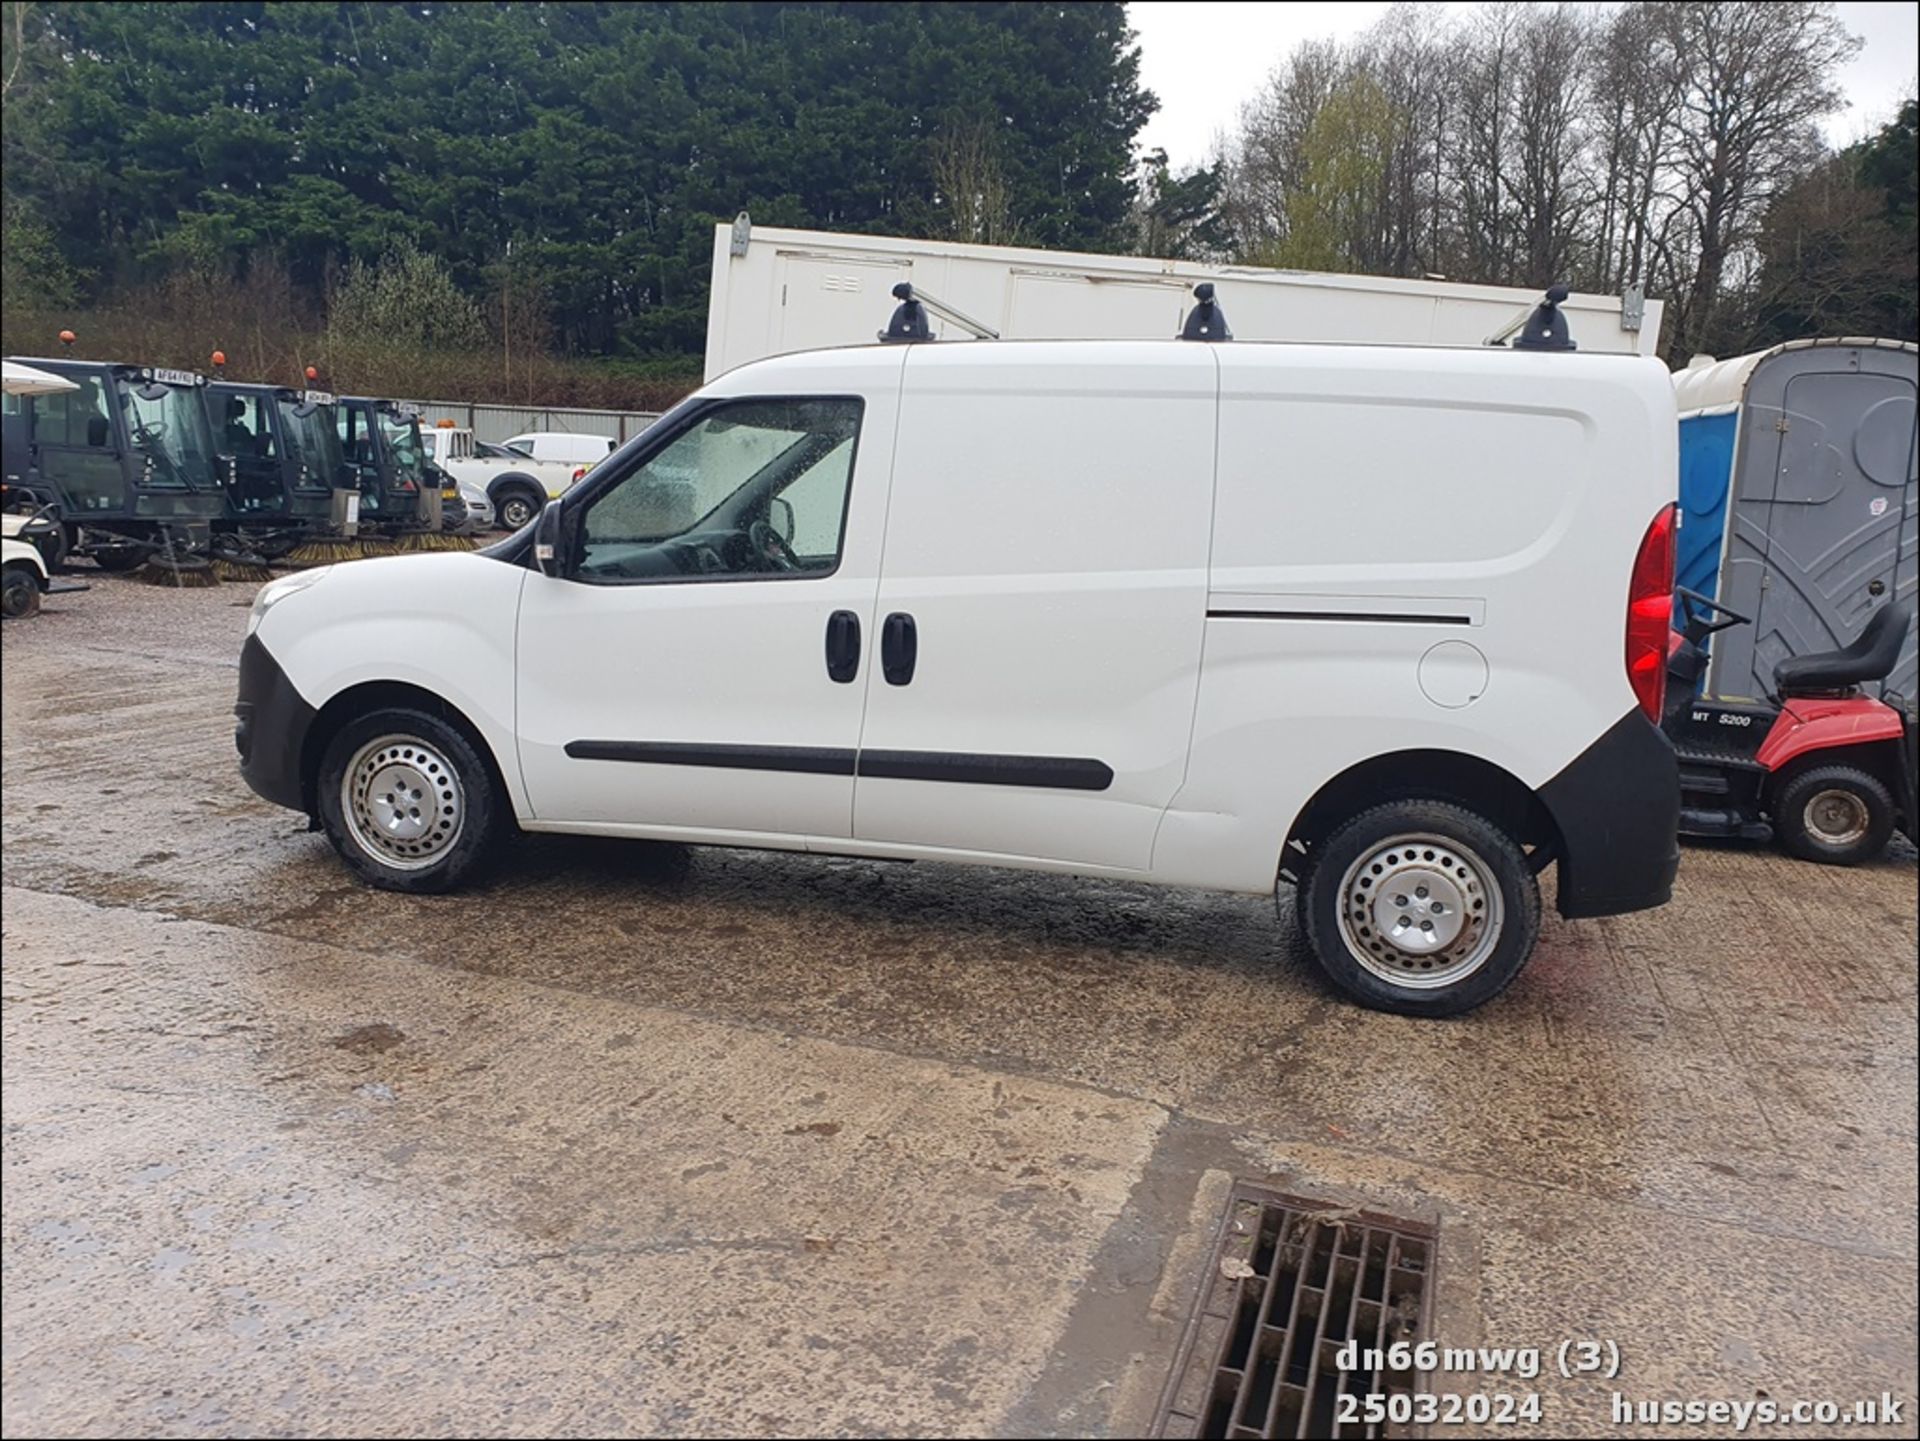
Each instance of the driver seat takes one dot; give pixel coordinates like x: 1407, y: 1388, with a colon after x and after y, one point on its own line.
x: 1871, y: 657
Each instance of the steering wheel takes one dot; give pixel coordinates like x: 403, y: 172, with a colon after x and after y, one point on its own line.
x: 768, y: 544
x: 1692, y: 599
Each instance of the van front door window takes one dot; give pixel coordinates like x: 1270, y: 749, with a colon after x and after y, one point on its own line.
x: 753, y: 488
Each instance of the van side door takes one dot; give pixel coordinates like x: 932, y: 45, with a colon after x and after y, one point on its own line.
x: 1042, y: 600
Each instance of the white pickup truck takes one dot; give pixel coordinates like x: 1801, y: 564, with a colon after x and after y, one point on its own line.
x: 518, y: 487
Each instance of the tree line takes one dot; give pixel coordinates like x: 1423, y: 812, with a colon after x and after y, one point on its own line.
x: 566, y: 163
x: 1672, y: 146
x: 488, y: 195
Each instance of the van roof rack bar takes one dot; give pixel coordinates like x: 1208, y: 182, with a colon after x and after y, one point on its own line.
x: 1206, y: 321
x: 909, y: 321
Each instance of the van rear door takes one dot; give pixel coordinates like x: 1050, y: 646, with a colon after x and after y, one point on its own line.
x: 1042, y: 600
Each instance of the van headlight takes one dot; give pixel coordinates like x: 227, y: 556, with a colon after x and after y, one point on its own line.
x: 274, y: 592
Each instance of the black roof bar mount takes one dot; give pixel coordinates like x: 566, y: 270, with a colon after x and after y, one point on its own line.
x: 909, y: 323
x: 1206, y: 321
x: 1544, y: 327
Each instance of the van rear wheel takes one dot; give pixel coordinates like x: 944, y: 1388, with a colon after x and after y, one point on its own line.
x: 408, y: 802
x: 1420, y: 907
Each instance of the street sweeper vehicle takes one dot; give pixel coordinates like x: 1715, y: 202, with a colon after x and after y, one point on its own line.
x: 402, y: 493
x: 123, y: 462
x: 282, y: 461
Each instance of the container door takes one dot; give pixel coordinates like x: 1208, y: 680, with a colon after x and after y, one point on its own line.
x: 825, y: 300
x: 1042, y: 602
x: 1045, y: 305
x: 1827, y: 532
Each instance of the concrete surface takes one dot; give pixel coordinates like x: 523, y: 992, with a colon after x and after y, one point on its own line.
x: 641, y: 1140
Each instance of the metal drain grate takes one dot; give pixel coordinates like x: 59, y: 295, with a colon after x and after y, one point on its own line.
x: 1290, y: 1282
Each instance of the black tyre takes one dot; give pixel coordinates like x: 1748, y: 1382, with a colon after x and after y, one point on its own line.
x: 19, y: 592
x: 1420, y: 907
x: 516, y: 501
x: 408, y: 802
x: 1836, y: 815
x: 118, y: 559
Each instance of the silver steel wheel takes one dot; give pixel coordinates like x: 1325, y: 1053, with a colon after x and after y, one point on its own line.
x: 1837, y: 818
x: 403, y: 802
x: 516, y: 510
x: 1420, y: 911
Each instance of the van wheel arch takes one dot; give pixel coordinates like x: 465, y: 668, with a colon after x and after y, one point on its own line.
x: 370, y: 696
x: 1470, y: 782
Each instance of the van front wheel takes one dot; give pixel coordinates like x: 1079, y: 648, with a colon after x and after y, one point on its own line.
x: 1421, y: 907
x: 407, y: 802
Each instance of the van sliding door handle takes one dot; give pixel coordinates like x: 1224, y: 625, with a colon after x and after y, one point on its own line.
x: 843, y: 646
x: 899, y: 647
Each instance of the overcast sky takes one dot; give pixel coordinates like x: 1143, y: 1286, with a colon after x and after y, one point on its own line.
x: 1203, y: 59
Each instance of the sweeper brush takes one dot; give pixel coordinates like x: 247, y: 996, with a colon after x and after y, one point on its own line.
x: 322, y: 550
x: 233, y: 560
x: 425, y: 540
x: 182, y: 572
x: 238, y: 568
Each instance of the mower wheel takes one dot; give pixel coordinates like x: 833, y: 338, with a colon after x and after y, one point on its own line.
x: 1836, y: 815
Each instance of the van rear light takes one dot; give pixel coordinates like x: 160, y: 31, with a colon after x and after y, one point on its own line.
x: 1650, y: 614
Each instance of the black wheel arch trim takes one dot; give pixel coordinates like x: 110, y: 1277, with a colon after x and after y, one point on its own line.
x: 1617, y: 808
x: 271, y: 722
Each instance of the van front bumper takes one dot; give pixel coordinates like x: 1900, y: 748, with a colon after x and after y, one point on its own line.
x: 270, y: 728
x: 1617, y: 808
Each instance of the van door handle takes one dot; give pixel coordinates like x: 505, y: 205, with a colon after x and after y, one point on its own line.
x: 899, y: 648
x: 843, y: 646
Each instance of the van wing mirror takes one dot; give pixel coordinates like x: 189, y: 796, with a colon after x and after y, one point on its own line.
x: 780, y: 517
x: 549, y: 547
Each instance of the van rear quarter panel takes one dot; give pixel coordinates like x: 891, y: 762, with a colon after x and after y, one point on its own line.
x: 1509, y: 491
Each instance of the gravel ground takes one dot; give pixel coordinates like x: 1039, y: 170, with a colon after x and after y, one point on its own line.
x: 724, y: 1142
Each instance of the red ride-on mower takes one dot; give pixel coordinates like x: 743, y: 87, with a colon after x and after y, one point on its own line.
x: 1823, y: 768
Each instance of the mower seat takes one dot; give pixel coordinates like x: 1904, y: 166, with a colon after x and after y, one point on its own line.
x: 1870, y: 657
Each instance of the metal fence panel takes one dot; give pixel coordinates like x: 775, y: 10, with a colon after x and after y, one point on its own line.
x: 495, y: 423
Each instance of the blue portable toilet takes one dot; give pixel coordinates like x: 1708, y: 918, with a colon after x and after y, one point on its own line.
x: 1798, y: 500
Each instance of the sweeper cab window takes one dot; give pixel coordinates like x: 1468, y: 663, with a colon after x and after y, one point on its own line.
x: 168, y: 427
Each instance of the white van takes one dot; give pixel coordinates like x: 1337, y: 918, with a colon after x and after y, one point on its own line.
x: 564, y: 447
x: 1385, y: 626
x: 514, y: 488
